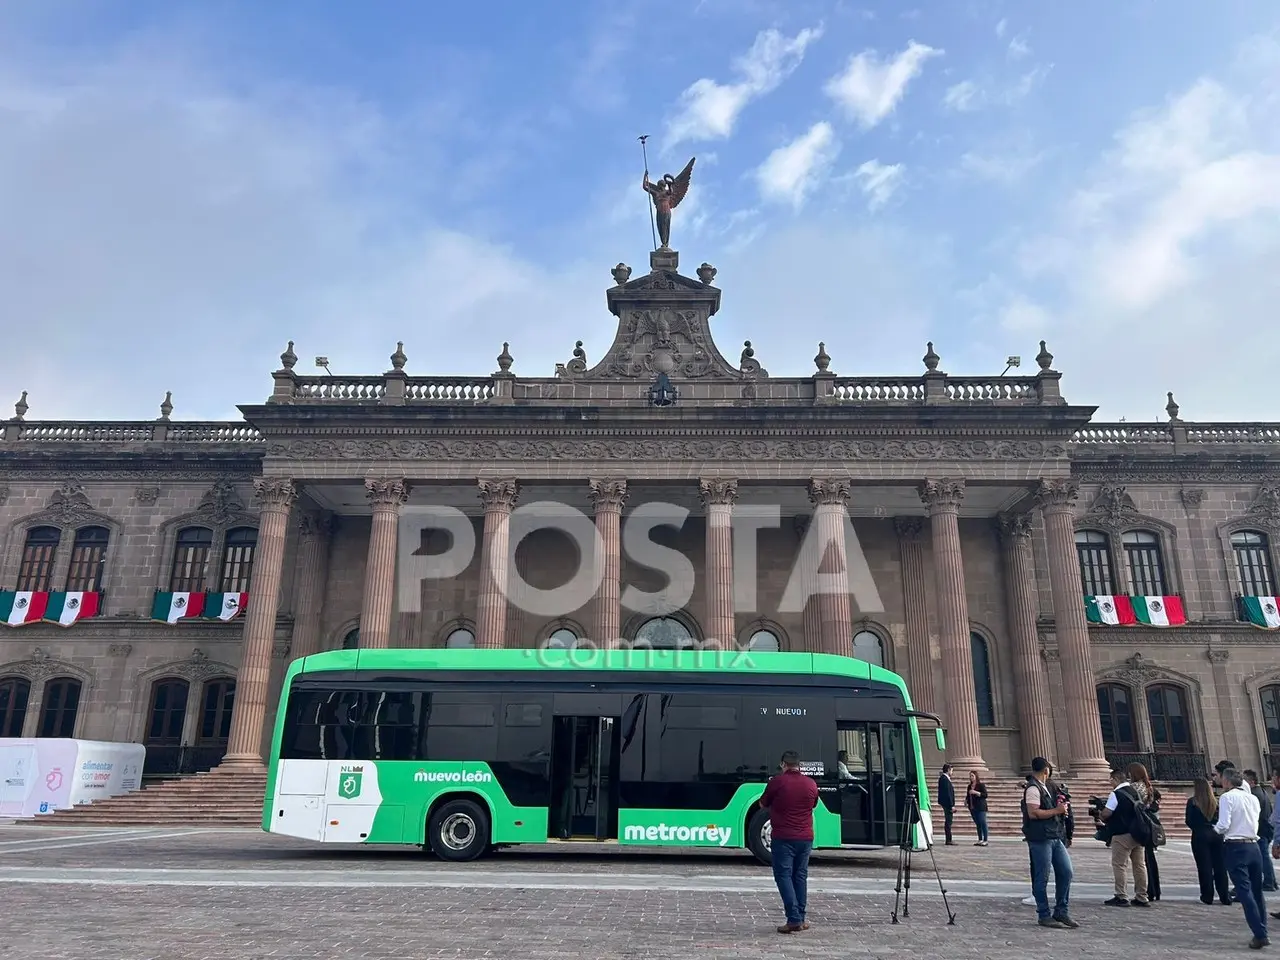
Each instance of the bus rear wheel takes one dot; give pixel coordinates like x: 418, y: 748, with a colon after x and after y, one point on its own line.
x: 760, y: 837
x: 458, y: 830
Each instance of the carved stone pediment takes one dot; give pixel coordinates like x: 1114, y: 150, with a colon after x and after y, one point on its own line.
x: 1265, y: 509
x: 1113, y: 507
x: 221, y: 503
x: 68, y: 503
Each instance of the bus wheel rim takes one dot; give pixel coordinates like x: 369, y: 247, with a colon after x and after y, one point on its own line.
x: 766, y: 835
x: 457, y: 831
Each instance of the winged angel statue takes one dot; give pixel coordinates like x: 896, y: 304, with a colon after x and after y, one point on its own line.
x: 667, y: 194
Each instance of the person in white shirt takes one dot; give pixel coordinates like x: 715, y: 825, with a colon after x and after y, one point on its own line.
x: 1238, y: 812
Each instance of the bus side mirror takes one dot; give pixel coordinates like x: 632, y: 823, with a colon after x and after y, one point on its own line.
x: 940, y: 738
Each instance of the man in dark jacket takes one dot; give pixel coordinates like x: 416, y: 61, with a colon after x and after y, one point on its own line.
x: 947, y: 801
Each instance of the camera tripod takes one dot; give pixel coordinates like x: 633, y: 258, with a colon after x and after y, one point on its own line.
x: 905, y: 849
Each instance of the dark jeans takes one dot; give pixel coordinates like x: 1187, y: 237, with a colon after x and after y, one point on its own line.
x: 948, y: 819
x: 1244, y: 863
x: 1268, y: 868
x: 980, y: 821
x: 1044, y: 855
x: 1206, y: 847
x: 791, y: 874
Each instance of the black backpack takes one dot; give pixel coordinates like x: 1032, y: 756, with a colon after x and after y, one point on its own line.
x: 1144, y: 826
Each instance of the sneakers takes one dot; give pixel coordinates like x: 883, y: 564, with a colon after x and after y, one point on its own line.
x: 1116, y: 902
x: 1059, y: 923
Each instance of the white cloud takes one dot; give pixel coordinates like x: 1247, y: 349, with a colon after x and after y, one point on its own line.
x: 1018, y: 48
x: 879, y: 181
x: 969, y: 95
x: 793, y: 171
x: 1007, y: 165
x: 1001, y: 27
x: 869, y: 89
x: 963, y: 96
x: 709, y: 110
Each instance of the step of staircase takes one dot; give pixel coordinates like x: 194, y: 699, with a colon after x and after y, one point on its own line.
x: 215, y: 798
x: 1004, y: 816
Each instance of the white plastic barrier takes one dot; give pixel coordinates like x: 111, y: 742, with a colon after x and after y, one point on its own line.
x: 42, y: 775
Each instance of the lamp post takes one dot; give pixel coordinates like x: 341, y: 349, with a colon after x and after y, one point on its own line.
x: 662, y: 393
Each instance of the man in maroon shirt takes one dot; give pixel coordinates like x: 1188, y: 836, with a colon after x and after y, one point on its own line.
x: 789, y: 800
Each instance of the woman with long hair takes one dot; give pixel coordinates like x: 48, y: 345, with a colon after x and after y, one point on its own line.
x: 976, y: 800
x: 1206, y: 843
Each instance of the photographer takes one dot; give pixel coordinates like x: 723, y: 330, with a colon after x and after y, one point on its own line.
x: 1118, y: 816
x: 1044, y: 811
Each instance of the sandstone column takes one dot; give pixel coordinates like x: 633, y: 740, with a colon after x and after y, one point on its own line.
x: 1030, y: 676
x: 964, y: 740
x: 275, y: 496
x: 1080, y: 696
x: 499, y: 499
x: 915, y: 591
x: 314, y: 531
x: 387, y: 496
x: 830, y: 499
x: 609, y: 496
x: 718, y: 497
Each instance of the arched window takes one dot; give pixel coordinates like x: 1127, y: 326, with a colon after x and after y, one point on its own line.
x: 168, y: 711
x: 460, y: 639
x: 237, y: 559
x: 1170, y: 719
x: 215, y: 712
x: 88, y: 558
x: 1253, y: 563
x: 982, y: 690
x: 58, y: 711
x: 37, y: 559
x: 664, y: 633
x: 1094, y: 552
x: 562, y: 639
x: 1146, y: 570
x: 1115, y: 714
x: 764, y: 641
x: 190, y: 558
x: 14, y: 694
x: 869, y: 647
x: 352, y: 640
x: 1270, y: 720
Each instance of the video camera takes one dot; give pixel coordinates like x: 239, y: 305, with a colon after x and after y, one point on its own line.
x: 1096, y: 806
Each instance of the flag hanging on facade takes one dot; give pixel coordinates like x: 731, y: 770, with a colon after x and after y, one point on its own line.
x: 1113, y: 611
x: 20, y: 607
x: 224, y: 606
x: 1261, y: 611
x: 1159, y: 611
x: 66, y: 608
x: 172, y: 607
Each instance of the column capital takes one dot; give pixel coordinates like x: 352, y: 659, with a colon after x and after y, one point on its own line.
x: 608, y: 494
x: 717, y: 490
x: 386, y: 491
x: 499, y: 494
x: 1057, y: 495
x: 319, y: 525
x: 1014, y: 527
x: 944, y: 494
x: 908, y: 528
x: 274, y: 493
x: 829, y: 491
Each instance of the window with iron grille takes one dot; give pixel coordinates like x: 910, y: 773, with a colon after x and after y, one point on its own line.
x: 38, y: 554
x: 1253, y: 563
x: 237, y: 559
x: 1094, y: 552
x: 1146, y: 569
x: 88, y: 559
x: 190, y: 558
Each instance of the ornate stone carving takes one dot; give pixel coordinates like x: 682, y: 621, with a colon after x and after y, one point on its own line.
x: 575, y: 367
x: 717, y: 490
x: 280, y: 649
x: 4, y: 495
x: 168, y: 470
x: 662, y: 340
x: 908, y: 528
x: 1050, y: 656
x: 1265, y: 509
x: 1057, y: 494
x: 749, y: 366
x: 68, y: 503
x: 826, y: 491
x: 945, y: 494
x: 608, y: 494
x: 274, y: 493
x: 119, y: 649
x: 198, y: 666
x: 1192, y: 497
x: 1112, y: 507
x: 697, y: 448
x: 221, y: 503
x: 147, y: 495
x: 1163, y: 473
x: 499, y: 494
x: 386, y: 491
x: 1014, y: 526
x: 1217, y: 655
x: 40, y: 665
x: 316, y: 524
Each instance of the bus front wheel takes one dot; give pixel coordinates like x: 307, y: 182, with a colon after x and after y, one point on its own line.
x: 458, y: 830
x: 760, y: 837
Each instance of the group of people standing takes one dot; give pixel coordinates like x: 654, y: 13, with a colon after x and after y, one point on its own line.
x: 975, y: 801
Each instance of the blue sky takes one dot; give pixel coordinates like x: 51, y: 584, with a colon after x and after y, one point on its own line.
x: 186, y: 186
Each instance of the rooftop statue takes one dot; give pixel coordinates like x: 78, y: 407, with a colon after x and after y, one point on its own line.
x: 667, y: 194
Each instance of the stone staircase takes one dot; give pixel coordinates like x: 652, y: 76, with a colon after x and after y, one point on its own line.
x: 219, y: 797
x: 1004, y: 816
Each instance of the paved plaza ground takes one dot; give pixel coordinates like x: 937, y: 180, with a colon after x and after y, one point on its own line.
x: 184, y: 894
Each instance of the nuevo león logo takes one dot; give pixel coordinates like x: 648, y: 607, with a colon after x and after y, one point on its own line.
x: 453, y: 776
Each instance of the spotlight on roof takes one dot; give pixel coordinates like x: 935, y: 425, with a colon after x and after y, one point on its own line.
x: 323, y: 362
x: 1010, y: 363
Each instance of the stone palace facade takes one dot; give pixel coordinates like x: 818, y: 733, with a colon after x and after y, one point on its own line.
x: 157, y: 576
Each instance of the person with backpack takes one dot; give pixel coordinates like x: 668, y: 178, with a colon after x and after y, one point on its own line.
x: 1129, y: 828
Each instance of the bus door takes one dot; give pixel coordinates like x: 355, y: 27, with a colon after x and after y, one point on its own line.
x: 584, y: 767
x: 873, y: 769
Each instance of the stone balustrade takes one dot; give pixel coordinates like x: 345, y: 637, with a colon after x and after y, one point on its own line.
x: 1173, y: 437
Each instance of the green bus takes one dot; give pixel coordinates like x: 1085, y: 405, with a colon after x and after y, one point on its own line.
x: 462, y: 751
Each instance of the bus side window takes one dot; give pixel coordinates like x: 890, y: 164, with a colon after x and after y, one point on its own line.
x: 461, y: 726
x: 851, y: 754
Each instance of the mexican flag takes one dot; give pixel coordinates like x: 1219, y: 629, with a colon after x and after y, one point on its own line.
x: 66, y: 608
x: 224, y: 606
x: 1262, y: 611
x: 1159, y: 611
x: 22, y: 607
x: 1109, y: 610
x: 172, y: 607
